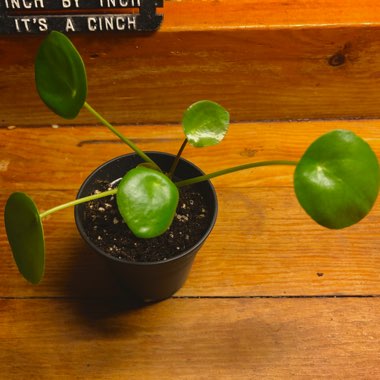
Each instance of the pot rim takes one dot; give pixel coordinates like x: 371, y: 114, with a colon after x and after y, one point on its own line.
x: 195, y: 247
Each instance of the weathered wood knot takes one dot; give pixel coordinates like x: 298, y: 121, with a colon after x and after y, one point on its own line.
x: 337, y: 59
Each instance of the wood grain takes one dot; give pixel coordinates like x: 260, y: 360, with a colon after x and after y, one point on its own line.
x: 263, y: 243
x: 191, y: 339
x: 271, y: 295
x: 261, y: 60
x: 227, y: 14
x: 60, y: 159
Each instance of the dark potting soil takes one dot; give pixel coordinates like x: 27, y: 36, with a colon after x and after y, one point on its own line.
x: 106, y: 228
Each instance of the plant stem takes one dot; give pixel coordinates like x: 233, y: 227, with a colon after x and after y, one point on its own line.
x: 176, y: 160
x: 132, y: 145
x: 78, y: 201
x: 206, y: 177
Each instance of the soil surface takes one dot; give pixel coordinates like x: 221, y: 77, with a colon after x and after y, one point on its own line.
x: 107, y: 229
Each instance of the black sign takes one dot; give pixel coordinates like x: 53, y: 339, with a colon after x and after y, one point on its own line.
x: 38, y: 16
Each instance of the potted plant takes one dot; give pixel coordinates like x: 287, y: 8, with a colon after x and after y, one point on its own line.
x: 336, y: 182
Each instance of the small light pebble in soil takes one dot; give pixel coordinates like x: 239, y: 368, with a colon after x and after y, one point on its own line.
x: 105, y: 226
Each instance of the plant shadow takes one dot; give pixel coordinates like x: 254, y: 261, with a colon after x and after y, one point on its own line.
x: 90, y: 283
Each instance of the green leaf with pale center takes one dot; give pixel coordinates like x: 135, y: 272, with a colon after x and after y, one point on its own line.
x: 205, y: 123
x: 147, y: 201
x: 60, y: 76
x: 337, y: 179
x: 25, y: 235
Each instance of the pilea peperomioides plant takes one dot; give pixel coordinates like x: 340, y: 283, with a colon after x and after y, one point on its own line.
x: 336, y: 181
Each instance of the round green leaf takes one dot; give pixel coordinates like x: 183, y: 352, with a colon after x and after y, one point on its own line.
x: 337, y: 179
x: 205, y: 123
x: 25, y: 236
x: 147, y: 201
x: 60, y: 76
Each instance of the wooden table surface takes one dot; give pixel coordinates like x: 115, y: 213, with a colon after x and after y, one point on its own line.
x: 271, y: 295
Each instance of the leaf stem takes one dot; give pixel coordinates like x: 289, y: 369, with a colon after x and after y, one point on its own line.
x: 132, y: 145
x: 176, y: 160
x: 206, y: 177
x: 78, y: 201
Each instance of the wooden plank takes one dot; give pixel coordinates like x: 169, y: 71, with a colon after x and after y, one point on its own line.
x: 191, y: 339
x: 262, y: 60
x: 227, y: 14
x: 263, y: 245
x: 60, y: 159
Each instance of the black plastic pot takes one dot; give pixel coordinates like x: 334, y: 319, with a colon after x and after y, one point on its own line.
x: 148, y: 281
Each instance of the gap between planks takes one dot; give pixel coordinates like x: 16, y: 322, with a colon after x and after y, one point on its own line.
x: 326, y: 296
